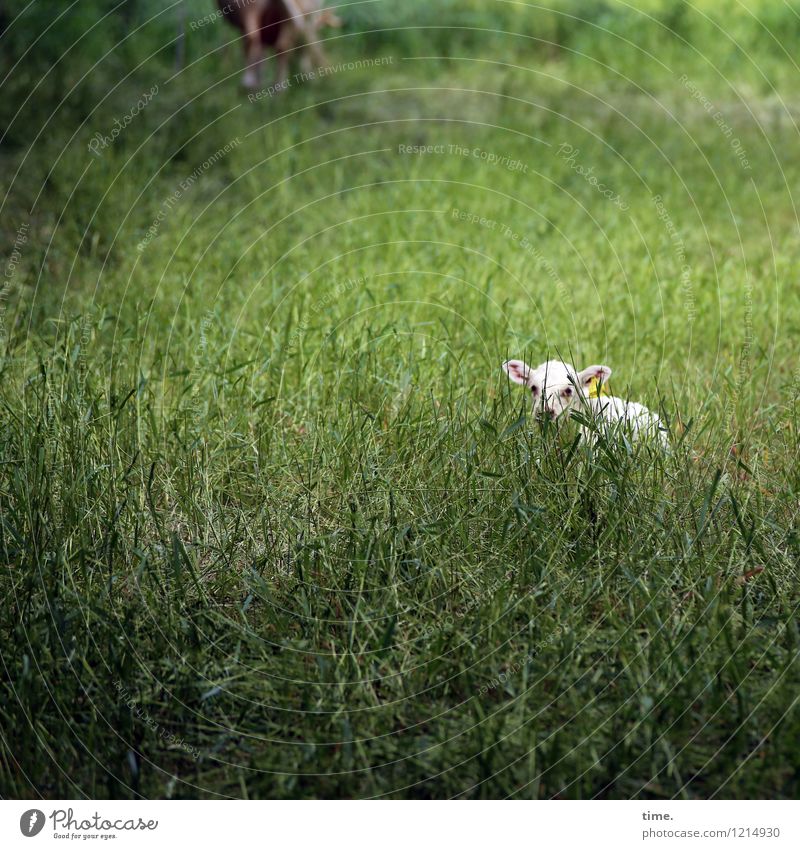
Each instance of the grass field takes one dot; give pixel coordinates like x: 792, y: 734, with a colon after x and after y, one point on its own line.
x: 273, y: 523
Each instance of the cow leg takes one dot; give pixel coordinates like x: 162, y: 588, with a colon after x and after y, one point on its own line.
x: 282, y: 60
x: 283, y: 49
x: 305, y: 29
x: 308, y: 66
x: 253, y: 48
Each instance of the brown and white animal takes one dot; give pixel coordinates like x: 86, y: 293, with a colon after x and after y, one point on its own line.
x: 316, y: 16
x: 281, y: 25
x: 557, y: 388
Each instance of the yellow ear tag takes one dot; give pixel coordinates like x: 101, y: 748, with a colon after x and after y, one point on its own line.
x: 593, y: 393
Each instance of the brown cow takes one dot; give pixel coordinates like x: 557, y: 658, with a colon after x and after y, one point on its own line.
x: 281, y: 25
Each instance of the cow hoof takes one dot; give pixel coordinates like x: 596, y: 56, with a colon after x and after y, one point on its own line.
x: 249, y: 80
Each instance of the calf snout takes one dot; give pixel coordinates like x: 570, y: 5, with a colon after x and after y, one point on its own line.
x: 544, y: 411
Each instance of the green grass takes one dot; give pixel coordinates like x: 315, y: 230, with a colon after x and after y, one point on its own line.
x: 272, y: 521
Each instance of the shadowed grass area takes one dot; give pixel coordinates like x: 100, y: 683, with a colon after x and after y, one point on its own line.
x: 272, y: 522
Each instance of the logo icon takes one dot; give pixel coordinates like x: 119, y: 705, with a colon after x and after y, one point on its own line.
x: 31, y: 822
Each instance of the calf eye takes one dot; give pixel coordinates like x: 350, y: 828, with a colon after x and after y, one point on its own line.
x: 567, y: 392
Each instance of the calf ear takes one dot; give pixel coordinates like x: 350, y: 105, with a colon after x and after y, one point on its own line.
x: 518, y: 371
x: 601, y: 373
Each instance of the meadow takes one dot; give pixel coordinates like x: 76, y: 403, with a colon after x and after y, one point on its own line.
x: 273, y: 522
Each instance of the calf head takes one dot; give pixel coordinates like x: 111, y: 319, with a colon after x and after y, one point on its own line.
x: 555, y: 386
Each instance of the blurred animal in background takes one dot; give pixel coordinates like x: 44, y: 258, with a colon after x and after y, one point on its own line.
x: 283, y: 25
x: 316, y: 17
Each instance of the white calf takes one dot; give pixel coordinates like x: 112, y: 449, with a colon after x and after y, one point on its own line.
x: 557, y: 388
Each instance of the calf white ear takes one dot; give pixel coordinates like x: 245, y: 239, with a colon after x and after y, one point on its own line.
x: 594, y: 373
x: 518, y: 371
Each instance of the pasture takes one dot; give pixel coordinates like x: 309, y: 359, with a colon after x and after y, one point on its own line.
x: 273, y: 522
